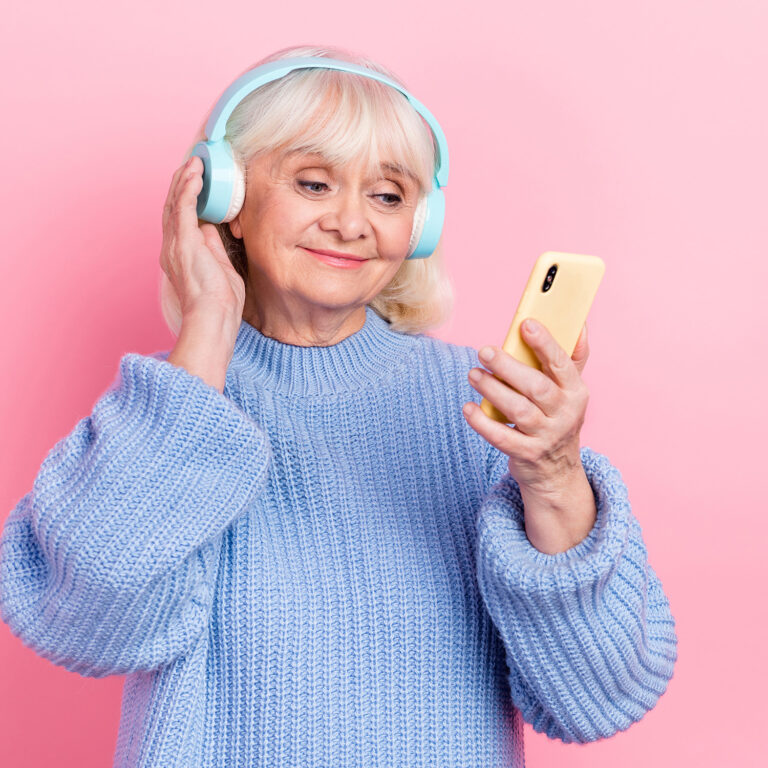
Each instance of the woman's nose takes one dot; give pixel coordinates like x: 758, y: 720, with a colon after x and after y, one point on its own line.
x: 347, y: 215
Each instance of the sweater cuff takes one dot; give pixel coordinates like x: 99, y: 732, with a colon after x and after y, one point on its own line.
x: 530, y: 569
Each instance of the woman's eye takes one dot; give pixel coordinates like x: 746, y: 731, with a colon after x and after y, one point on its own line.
x: 393, y: 198
x: 307, y: 184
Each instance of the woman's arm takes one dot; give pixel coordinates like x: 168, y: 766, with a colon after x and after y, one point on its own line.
x: 563, y: 570
x: 108, y: 564
x: 589, y: 637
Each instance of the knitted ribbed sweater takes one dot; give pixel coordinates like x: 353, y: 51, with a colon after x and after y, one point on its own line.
x: 326, y: 566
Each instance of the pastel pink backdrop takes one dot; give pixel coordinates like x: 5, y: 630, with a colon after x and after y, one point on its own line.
x: 633, y: 131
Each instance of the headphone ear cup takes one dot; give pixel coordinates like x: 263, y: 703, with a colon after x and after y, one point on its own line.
x: 419, y: 217
x: 238, y: 190
x: 223, y: 189
x: 429, y: 216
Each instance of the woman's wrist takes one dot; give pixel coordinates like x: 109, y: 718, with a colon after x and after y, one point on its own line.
x: 559, y: 518
x: 205, y: 346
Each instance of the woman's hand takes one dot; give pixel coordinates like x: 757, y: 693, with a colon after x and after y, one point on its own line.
x: 210, y: 291
x: 193, y: 255
x: 547, y: 409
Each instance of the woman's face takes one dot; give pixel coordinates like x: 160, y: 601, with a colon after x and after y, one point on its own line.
x: 296, y: 203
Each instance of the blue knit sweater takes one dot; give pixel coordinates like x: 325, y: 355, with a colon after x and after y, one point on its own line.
x: 325, y: 566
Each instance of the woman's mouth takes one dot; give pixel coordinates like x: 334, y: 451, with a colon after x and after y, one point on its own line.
x: 337, y: 261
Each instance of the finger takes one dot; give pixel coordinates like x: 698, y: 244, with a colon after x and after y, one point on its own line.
x: 213, y: 241
x: 524, y: 414
x: 171, y: 196
x: 581, y: 350
x: 528, y: 381
x: 507, y: 439
x: 184, y: 190
x: 184, y: 209
x: 166, y: 217
x: 555, y: 362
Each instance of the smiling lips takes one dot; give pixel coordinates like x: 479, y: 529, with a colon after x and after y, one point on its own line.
x: 338, y: 259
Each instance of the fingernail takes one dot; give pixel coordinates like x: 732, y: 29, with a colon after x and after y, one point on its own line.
x: 531, y: 326
x: 486, y: 354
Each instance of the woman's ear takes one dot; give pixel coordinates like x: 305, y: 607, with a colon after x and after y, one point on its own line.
x: 235, y: 228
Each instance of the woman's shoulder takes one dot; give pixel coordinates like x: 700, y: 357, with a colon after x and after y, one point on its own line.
x: 446, y: 353
x: 160, y: 354
x: 446, y: 362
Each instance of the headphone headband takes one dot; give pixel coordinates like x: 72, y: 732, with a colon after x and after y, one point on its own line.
x: 215, y: 127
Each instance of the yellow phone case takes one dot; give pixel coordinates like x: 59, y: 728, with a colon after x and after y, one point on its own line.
x: 562, y: 309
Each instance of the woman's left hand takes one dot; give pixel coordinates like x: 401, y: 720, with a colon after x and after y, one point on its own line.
x: 547, y: 409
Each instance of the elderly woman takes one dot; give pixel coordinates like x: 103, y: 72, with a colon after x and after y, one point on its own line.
x: 297, y: 533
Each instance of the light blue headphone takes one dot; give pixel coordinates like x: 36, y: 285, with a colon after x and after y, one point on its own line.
x: 223, y: 190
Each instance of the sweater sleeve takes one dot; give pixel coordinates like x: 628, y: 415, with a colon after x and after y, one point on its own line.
x: 107, y: 565
x: 589, y: 638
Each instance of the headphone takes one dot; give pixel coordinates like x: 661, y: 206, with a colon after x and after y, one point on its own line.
x: 223, y: 192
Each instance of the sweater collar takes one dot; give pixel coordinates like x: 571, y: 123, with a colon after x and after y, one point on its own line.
x: 368, y: 355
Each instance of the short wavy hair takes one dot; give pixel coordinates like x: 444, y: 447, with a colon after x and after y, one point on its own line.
x: 347, y: 118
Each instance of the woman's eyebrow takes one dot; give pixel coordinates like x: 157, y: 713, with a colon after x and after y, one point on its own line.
x: 303, y: 153
x: 400, y: 170
x: 395, y: 168
x: 299, y: 155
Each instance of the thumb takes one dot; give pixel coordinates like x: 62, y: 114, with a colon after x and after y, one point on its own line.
x: 214, y: 242
x: 581, y: 350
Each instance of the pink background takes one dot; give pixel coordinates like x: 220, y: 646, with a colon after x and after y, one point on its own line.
x: 634, y: 131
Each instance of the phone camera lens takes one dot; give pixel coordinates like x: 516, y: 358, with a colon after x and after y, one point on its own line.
x: 549, y: 278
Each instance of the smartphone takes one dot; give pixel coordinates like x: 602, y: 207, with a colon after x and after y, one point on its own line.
x: 558, y: 294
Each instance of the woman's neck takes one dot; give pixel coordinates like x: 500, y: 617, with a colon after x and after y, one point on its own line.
x: 304, y: 325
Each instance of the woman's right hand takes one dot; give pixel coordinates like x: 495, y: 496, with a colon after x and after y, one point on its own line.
x: 193, y: 255
x: 211, y: 293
